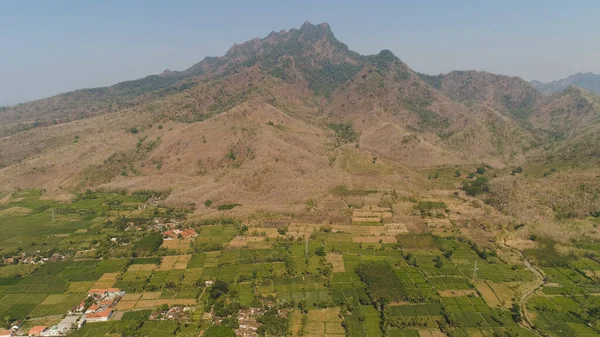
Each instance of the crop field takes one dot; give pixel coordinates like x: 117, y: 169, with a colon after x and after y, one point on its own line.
x: 214, y: 235
x: 368, y: 278
x: 30, y: 221
x: 337, y: 262
x: 110, y: 266
x: 324, y: 322
x: 174, y: 262
x: 56, y: 304
x: 107, y: 280
x: 179, y: 245
x: 310, y: 288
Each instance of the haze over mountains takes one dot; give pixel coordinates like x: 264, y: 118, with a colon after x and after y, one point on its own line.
x: 286, y: 118
x: 588, y: 81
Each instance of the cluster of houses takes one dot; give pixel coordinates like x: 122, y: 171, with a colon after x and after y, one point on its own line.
x: 152, y: 201
x: 179, y: 234
x: 61, y: 329
x: 98, y: 305
x: 158, y: 225
x: 36, y: 258
x: 176, y: 313
x: 13, y: 329
x: 247, y: 324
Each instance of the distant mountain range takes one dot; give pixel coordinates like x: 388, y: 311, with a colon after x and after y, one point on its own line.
x: 588, y: 81
x: 7, y: 102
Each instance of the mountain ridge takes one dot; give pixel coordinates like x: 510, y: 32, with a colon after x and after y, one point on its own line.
x: 296, y: 109
x: 588, y: 81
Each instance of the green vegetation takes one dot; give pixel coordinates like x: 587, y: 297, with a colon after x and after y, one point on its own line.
x: 219, y: 331
x: 476, y: 187
x: 344, y: 133
x: 431, y: 208
x: 427, y: 119
x: 226, y: 207
x: 519, y: 108
x: 404, y: 287
x: 516, y: 170
x: 148, y: 244
x: 342, y: 190
x: 273, y: 324
x: 433, y: 80
x: 383, y: 285
x: 325, y: 79
x: 419, y: 261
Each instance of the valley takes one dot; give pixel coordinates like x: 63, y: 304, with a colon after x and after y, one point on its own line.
x: 293, y: 187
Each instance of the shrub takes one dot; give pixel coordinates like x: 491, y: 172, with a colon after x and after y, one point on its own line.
x: 344, y: 132
x: 320, y: 251
x: 516, y: 312
x: 273, y: 324
x: 478, y: 186
x: 218, y: 289
x: 227, y: 207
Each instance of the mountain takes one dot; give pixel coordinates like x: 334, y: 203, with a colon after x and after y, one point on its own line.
x: 288, y: 118
x: 588, y: 81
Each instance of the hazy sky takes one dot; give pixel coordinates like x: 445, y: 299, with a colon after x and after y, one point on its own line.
x: 48, y: 47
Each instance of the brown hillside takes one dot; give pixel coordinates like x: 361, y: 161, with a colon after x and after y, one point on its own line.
x: 291, y: 117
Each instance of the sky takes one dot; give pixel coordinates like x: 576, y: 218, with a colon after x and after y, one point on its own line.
x: 49, y: 47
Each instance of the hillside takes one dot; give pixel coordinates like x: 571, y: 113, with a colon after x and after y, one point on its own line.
x: 292, y: 117
x: 588, y: 81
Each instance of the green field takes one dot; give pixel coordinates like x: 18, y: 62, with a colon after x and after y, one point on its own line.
x: 422, y: 283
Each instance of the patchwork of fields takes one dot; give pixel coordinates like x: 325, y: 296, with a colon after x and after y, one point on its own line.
x: 417, y: 284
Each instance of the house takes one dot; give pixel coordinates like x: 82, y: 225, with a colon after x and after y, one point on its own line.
x: 99, y: 316
x: 109, y: 302
x: 37, y: 330
x: 16, y: 325
x: 102, y: 293
x: 78, y: 308
x: 174, y: 313
x: 188, y: 233
x: 170, y: 234
x: 176, y: 233
x: 97, y: 292
x: 93, y: 308
x: 113, y: 292
x: 53, y: 331
x: 156, y: 315
x: 6, y: 333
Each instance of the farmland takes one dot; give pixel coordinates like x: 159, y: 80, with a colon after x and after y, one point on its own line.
x: 326, y: 279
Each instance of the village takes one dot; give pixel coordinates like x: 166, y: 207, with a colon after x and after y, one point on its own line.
x: 34, y: 258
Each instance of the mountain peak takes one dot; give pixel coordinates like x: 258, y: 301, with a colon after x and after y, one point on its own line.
x: 322, y: 26
x: 309, y: 40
